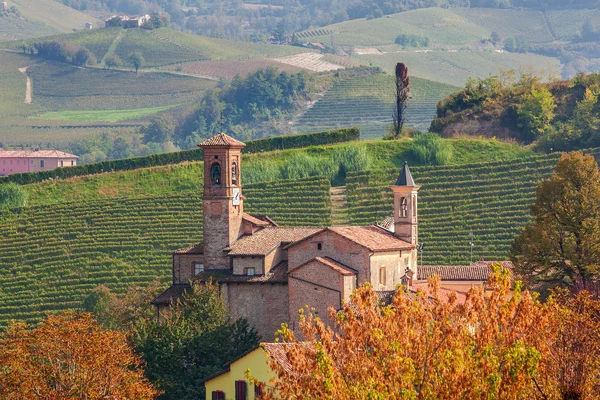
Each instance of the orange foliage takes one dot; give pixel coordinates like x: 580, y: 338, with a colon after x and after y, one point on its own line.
x: 69, y: 357
x: 495, y: 345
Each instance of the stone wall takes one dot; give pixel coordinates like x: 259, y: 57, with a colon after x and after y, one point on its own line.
x: 240, y: 263
x: 183, y: 266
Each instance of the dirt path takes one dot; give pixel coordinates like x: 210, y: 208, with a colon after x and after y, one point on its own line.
x: 111, y: 48
x: 28, y: 87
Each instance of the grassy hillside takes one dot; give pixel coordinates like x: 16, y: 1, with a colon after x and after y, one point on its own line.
x: 42, y: 17
x: 162, y: 181
x: 489, y: 199
x: 455, y: 68
x: 444, y: 27
x: 566, y: 24
x: 367, y: 100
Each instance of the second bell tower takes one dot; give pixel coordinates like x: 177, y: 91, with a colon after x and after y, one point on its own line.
x: 222, y: 200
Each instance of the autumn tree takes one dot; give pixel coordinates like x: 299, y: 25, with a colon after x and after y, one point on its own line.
x: 421, y: 346
x: 536, y: 112
x: 562, y: 244
x: 70, y: 356
x: 401, y: 95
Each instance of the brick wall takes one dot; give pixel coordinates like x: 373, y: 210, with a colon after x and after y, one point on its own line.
x: 241, y: 263
x: 265, y: 306
x: 183, y: 266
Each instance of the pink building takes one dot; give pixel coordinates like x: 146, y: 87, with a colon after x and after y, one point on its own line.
x: 20, y: 161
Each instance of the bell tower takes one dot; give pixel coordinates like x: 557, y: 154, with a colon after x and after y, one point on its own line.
x: 222, y: 200
x: 405, y: 207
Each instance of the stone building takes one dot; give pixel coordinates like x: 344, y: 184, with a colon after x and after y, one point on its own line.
x: 267, y: 272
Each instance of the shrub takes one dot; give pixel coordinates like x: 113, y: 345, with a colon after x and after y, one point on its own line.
x: 261, y: 171
x: 12, y: 196
x: 302, y: 165
x: 429, y: 149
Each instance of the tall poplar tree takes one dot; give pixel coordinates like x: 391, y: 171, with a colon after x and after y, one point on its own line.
x: 401, y: 91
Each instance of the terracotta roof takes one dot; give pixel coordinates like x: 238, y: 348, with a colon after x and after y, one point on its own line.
x: 35, y: 154
x: 222, y: 140
x: 372, y: 237
x: 278, y: 274
x: 385, y: 296
x: 264, y: 241
x: 193, y: 249
x: 256, y: 220
x: 331, y: 263
x: 480, y: 271
x: 174, y: 292
x: 278, y: 352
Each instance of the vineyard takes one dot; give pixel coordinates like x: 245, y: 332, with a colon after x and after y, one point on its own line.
x: 229, y: 69
x: 365, y: 100
x: 568, y: 23
x: 309, y: 61
x: 444, y: 27
x: 53, y: 255
x: 489, y: 199
x: 64, y: 87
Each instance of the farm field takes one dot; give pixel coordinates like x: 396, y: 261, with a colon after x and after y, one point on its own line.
x: 444, y: 27
x: 314, y: 62
x: 454, y: 68
x: 101, y: 115
x: 230, y: 68
x: 369, y: 99
x: 42, y: 17
x: 59, y: 87
x: 489, y: 199
x: 54, y: 255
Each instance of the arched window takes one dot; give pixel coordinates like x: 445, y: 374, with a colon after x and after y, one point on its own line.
x: 403, y: 207
x: 234, y: 178
x: 215, y: 174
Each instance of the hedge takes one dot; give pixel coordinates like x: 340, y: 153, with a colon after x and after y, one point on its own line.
x: 252, y: 146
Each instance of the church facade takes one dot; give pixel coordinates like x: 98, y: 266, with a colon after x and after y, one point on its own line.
x: 267, y: 272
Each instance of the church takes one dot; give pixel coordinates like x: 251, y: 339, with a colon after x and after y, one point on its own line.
x: 267, y: 272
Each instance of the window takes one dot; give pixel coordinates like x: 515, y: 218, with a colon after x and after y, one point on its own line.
x: 240, y: 390
x: 259, y: 389
x: 31, y: 162
x: 319, y: 246
x: 414, y: 206
x: 3, y: 161
x: 41, y: 163
x: 215, y: 174
x: 234, y: 174
x: 18, y: 162
x: 72, y: 163
x: 382, y: 276
x: 218, y: 395
x: 198, y: 268
x: 10, y: 162
x: 62, y: 163
x: 403, y: 207
x: 250, y: 271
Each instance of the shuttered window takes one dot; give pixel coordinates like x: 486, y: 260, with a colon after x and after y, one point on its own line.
x: 240, y: 390
x: 218, y: 395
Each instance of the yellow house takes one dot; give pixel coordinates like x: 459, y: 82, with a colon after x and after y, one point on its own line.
x: 232, y: 383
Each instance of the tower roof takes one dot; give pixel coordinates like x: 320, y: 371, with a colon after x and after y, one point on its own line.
x: 405, y: 178
x: 222, y: 140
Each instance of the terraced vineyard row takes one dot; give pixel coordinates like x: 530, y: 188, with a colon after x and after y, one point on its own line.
x: 489, y: 199
x: 368, y: 99
x: 51, y: 256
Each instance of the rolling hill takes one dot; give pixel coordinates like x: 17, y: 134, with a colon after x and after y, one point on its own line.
x: 41, y: 18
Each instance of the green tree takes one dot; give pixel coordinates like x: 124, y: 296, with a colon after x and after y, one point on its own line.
x: 193, y: 341
x: 562, y: 244
x: 137, y: 60
x: 536, y: 112
x: 83, y: 56
x: 159, y: 130
x: 510, y: 44
x: 112, y: 61
x: 12, y: 196
x: 495, y: 38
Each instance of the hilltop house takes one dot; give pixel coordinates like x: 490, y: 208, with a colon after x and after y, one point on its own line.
x: 4, y: 5
x: 89, y: 26
x: 267, y: 272
x: 20, y: 161
x: 126, y: 21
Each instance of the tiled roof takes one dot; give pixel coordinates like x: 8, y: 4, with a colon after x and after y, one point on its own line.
x: 193, y: 249
x: 262, y: 242
x: 255, y: 220
x: 170, y: 294
x: 372, y: 237
x: 405, y: 178
x: 385, y: 296
x: 278, y: 352
x: 278, y: 274
x: 480, y: 271
x: 35, y: 154
x: 331, y: 263
x: 222, y: 140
